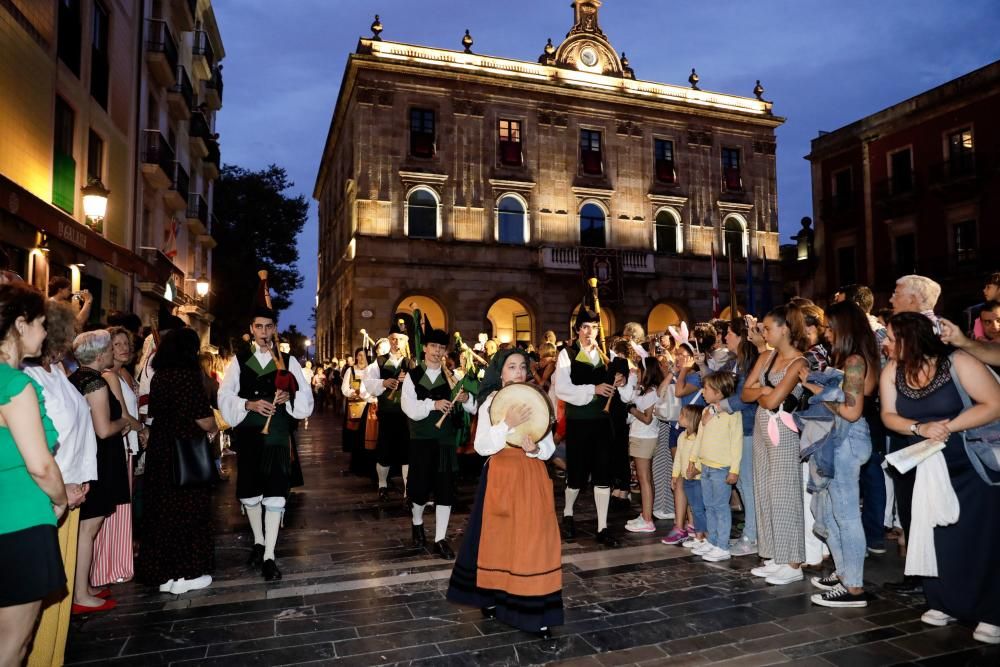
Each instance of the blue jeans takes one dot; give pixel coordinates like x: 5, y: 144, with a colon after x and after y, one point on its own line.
x: 692, y: 489
x: 847, y: 538
x: 715, y: 494
x: 873, y: 498
x: 745, y: 486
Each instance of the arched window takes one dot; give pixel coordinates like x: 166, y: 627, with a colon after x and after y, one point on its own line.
x: 422, y: 214
x: 668, y: 239
x: 735, y: 242
x: 512, y: 220
x: 592, y: 226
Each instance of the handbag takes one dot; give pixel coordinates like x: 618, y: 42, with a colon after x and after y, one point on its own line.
x: 371, y: 427
x: 982, y: 443
x: 194, y: 463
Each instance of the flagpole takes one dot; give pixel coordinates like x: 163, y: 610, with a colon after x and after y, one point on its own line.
x: 715, y: 285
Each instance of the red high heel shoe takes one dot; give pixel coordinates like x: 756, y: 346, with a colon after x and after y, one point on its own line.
x: 84, y: 609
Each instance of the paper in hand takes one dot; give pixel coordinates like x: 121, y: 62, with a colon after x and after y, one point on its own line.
x: 908, y: 458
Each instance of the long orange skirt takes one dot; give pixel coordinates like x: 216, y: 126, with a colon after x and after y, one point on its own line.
x: 519, y: 550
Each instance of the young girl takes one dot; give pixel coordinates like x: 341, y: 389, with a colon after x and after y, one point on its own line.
x: 718, y: 450
x: 643, y: 431
x: 688, y: 479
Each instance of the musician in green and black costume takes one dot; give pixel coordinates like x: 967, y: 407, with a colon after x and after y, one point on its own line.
x: 427, y: 395
x: 267, y: 465
x: 384, y: 379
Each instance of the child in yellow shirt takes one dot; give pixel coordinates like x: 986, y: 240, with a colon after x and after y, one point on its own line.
x: 686, y: 474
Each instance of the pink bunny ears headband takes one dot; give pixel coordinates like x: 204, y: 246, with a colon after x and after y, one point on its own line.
x: 682, y: 336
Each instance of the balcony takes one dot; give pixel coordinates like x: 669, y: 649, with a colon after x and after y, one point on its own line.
x: 185, y: 13
x: 961, y: 177
x: 211, y: 162
x: 161, y: 52
x: 202, y: 56
x: 176, y: 196
x: 567, y: 258
x: 844, y: 208
x: 180, y: 96
x: 213, y: 89
x: 197, y: 214
x: 199, y: 134
x: 157, y: 159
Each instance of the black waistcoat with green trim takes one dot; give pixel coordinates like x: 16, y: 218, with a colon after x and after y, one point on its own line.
x: 583, y: 371
x: 389, y: 372
x: 257, y: 383
x: 426, y: 428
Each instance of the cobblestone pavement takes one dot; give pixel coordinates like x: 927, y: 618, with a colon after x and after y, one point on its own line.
x: 355, y: 592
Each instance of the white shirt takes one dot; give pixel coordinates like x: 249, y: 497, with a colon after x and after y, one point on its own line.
x: 574, y: 394
x: 76, y: 454
x: 642, y: 402
x: 416, y: 409
x: 233, y: 408
x: 353, y: 373
x: 130, y: 404
x: 373, y: 377
x: 491, y: 438
x: 146, y: 376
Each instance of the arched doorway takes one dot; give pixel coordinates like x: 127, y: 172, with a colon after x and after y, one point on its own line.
x: 607, y: 321
x: 727, y: 313
x: 662, y: 316
x: 428, y: 306
x: 735, y: 236
x: 510, y: 321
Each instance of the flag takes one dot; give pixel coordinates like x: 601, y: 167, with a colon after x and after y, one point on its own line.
x: 750, y: 303
x: 765, y: 299
x: 715, y: 285
x: 733, y: 310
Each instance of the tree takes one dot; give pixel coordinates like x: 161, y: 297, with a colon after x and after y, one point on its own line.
x: 257, y: 225
x: 296, y: 341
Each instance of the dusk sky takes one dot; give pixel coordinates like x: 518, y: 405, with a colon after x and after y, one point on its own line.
x: 823, y: 64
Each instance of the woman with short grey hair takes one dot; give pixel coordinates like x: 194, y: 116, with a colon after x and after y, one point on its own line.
x: 94, y: 352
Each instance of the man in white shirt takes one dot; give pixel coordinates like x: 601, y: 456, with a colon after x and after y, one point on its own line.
x: 427, y: 396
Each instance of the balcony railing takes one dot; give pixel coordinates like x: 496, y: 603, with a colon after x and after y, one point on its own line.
x: 568, y: 258
x: 181, y: 182
x: 203, y: 48
x: 161, y: 50
x: 901, y: 184
x: 197, y: 209
x: 959, y: 167
x: 731, y: 180
x: 157, y: 151
x: 211, y: 161
x: 213, y: 88
x: 182, y: 87
x: 199, y: 125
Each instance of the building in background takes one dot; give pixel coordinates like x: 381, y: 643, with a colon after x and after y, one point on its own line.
x: 483, y: 190
x: 914, y: 188
x: 78, y: 79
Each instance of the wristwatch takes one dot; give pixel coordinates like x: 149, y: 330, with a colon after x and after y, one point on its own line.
x: 915, y: 429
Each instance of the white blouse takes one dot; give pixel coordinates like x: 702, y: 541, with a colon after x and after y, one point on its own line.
x: 131, y: 406
x: 76, y: 453
x: 491, y: 438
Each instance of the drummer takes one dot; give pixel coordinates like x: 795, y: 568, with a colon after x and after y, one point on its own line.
x: 509, y: 564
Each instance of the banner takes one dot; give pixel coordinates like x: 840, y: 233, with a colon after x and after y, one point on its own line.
x: 606, y: 265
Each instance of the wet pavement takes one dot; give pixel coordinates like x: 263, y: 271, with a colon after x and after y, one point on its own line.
x: 355, y: 592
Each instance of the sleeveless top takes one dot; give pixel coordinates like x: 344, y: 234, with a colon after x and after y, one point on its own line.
x: 772, y: 378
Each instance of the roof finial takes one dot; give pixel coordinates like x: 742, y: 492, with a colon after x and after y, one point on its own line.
x: 549, y: 48
x: 694, y: 79
x: 467, y: 41
x: 758, y: 91
x: 627, y: 71
x: 376, y: 29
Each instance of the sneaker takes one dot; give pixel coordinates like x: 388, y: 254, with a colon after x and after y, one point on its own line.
x: 702, y: 548
x: 742, y: 547
x: 165, y: 588
x: 693, y: 542
x: 766, y: 570
x: 634, y: 521
x: 785, y: 574
x: 675, y: 536
x: 716, y: 554
x: 182, y: 586
x: 827, y: 583
x: 989, y: 634
x: 877, y: 549
x: 641, y: 526
x: 839, y: 596
x: 663, y: 516
x: 938, y: 618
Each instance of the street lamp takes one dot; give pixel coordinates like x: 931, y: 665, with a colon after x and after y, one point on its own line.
x: 308, y: 345
x: 95, y: 200
x: 201, y: 286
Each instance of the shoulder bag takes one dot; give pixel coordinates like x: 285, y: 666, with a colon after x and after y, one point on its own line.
x: 982, y: 444
x: 194, y: 463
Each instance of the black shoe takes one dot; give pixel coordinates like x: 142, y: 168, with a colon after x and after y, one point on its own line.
x: 544, y: 633
x: 270, y: 570
x: 618, y: 503
x: 908, y: 586
x: 383, y: 494
x: 607, y: 539
x: 569, y: 528
x: 419, y: 539
x: 840, y: 597
x: 443, y: 549
x: 256, y: 556
x: 489, y: 612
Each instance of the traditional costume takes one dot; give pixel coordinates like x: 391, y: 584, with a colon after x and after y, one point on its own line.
x: 432, y: 452
x: 393, y: 428
x: 510, y: 562
x: 589, y: 432
x: 267, y: 463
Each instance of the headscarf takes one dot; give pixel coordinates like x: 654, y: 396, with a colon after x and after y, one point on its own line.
x: 492, y: 380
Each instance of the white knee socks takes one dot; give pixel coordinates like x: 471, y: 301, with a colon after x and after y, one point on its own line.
x: 571, y: 495
x: 383, y: 475
x: 602, y: 498
x: 256, y: 525
x: 272, y: 521
x: 418, y: 514
x: 441, y: 515
x: 406, y: 473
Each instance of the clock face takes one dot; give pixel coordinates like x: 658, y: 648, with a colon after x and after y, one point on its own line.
x: 588, y: 57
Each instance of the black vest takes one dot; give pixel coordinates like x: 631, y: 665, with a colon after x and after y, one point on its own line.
x: 440, y: 392
x: 254, y: 387
x: 581, y: 372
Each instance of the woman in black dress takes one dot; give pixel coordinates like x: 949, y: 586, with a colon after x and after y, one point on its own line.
x: 95, y: 355
x: 920, y: 400
x: 177, y: 553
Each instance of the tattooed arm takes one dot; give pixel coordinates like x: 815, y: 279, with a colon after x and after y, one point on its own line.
x: 855, y: 371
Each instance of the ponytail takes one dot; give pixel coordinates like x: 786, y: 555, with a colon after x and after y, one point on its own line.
x: 791, y: 316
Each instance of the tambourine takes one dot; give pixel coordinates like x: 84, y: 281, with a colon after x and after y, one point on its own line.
x: 539, y: 422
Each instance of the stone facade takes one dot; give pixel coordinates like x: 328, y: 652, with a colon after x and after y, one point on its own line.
x: 371, y: 264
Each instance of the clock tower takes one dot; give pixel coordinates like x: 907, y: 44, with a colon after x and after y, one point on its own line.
x: 586, y: 47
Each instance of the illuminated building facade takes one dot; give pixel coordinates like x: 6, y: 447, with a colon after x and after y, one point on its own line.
x: 482, y: 189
